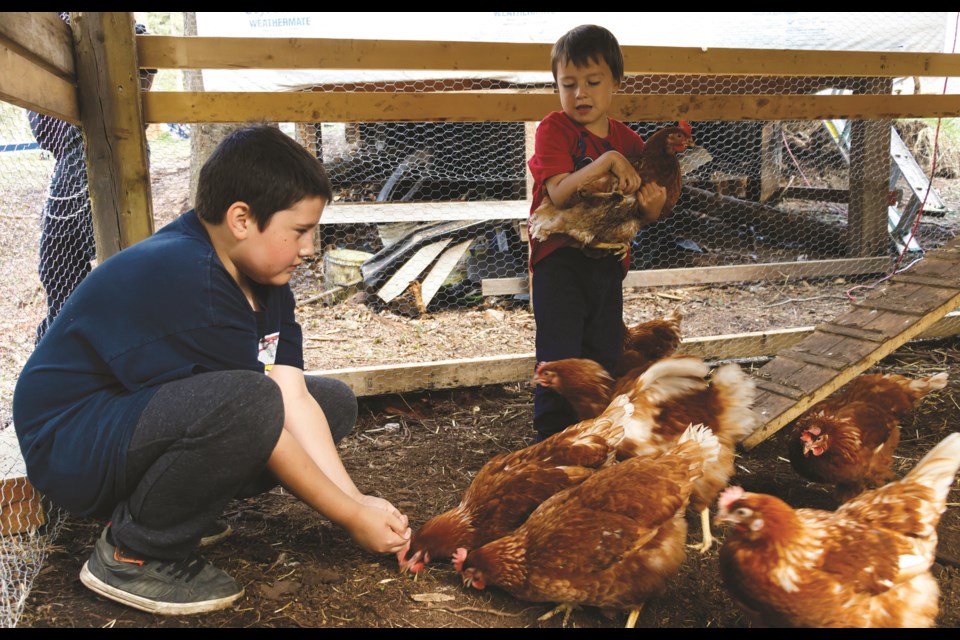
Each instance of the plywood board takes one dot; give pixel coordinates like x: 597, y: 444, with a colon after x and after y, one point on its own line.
x: 444, y: 265
x: 412, y: 268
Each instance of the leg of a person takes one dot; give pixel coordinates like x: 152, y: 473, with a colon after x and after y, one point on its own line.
x: 198, y: 441
x: 603, y: 329
x: 559, y: 308
x: 339, y: 405
x: 338, y: 402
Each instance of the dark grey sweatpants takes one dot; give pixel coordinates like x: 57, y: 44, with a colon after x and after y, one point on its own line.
x: 200, y: 442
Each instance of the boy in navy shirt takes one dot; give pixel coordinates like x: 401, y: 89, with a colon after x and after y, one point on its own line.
x: 172, y: 382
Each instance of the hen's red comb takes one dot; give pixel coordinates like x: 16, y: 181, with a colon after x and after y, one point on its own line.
x: 683, y: 124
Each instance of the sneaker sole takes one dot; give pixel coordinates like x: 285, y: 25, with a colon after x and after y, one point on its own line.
x: 100, y: 587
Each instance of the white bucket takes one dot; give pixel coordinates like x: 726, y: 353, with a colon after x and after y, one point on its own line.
x: 342, y: 266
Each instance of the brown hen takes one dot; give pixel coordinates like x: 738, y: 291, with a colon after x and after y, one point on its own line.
x: 723, y: 406
x: 867, y: 564
x: 511, y: 485
x: 646, y: 342
x: 848, y: 439
x: 603, y: 217
x: 611, y: 542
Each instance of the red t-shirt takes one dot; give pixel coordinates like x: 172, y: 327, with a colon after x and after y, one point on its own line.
x: 563, y: 146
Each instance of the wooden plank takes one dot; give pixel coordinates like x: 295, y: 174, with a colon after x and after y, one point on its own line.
x: 505, y: 369
x: 815, y: 194
x: 892, y: 307
x: 412, y: 268
x: 529, y: 106
x: 109, y: 91
x: 373, y: 213
x: 28, y: 85
x: 928, y: 281
x: 21, y: 508
x: 812, y: 358
x: 743, y: 345
x: 444, y: 265
x: 41, y: 36
x: 170, y: 52
x: 780, y: 389
x: 713, y: 275
x: 854, y: 332
x: 443, y: 374
x: 902, y: 330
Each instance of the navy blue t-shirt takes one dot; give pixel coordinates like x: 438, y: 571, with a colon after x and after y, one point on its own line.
x: 158, y: 311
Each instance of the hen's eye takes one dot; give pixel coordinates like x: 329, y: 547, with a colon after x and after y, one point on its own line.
x: 743, y: 512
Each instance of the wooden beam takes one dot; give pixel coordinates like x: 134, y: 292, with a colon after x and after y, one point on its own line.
x: 42, y: 37
x: 814, y: 193
x: 373, y: 213
x: 109, y: 86
x: 714, y: 275
x: 519, y: 106
x: 471, y: 372
x: 173, y: 52
x: 28, y: 85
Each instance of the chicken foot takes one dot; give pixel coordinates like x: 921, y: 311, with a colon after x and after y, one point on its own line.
x: 707, y: 535
x: 633, y: 617
x: 567, y: 609
x: 619, y: 249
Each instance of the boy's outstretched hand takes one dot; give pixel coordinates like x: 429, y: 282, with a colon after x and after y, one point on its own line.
x: 379, y: 530
x: 380, y: 503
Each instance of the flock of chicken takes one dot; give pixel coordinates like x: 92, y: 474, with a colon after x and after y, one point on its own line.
x: 596, y: 514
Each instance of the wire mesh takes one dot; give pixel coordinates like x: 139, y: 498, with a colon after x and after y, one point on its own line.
x: 422, y: 256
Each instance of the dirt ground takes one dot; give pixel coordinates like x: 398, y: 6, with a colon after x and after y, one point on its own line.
x: 420, y: 451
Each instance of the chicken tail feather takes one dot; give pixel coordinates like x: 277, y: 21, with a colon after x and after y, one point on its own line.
x: 938, y: 468
x: 703, y: 436
x: 670, y: 378
x: 922, y: 386
x: 738, y: 391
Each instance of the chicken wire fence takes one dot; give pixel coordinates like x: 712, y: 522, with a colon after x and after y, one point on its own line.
x: 422, y: 256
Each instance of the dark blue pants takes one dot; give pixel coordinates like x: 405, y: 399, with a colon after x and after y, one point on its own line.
x: 200, y: 442
x: 578, y: 308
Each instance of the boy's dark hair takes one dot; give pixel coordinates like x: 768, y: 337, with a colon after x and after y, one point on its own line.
x: 263, y: 167
x: 588, y: 42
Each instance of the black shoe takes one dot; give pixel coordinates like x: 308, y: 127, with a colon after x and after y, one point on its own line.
x: 172, y: 587
x: 217, y: 531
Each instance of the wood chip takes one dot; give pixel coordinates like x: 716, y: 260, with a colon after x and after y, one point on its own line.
x: 432, y: 597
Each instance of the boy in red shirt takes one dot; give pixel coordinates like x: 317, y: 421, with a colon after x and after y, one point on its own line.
x: 578, y: 295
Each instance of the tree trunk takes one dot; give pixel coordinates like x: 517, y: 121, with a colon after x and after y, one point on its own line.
x: 204, y: 138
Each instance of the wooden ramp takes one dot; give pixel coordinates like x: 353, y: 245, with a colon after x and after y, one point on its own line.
x: 894, y: 313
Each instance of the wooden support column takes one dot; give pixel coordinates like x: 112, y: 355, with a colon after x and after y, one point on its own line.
x: 869, y: 176
x: 771, y: 161
x: 108, y: 82
x: 529, y: 139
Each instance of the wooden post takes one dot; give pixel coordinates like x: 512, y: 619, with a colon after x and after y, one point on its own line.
x: 869, y: 177
x: 771, y: 160
x: 529, y: 138
x: 108, y: 86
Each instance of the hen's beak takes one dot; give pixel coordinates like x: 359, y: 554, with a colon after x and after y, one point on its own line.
x: 407, y: 563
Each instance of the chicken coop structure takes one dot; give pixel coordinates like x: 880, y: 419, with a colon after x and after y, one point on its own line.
x: 802, y: 179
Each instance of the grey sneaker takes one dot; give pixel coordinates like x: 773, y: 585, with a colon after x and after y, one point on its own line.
x: 217, y: 531
x: 180, y: 587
